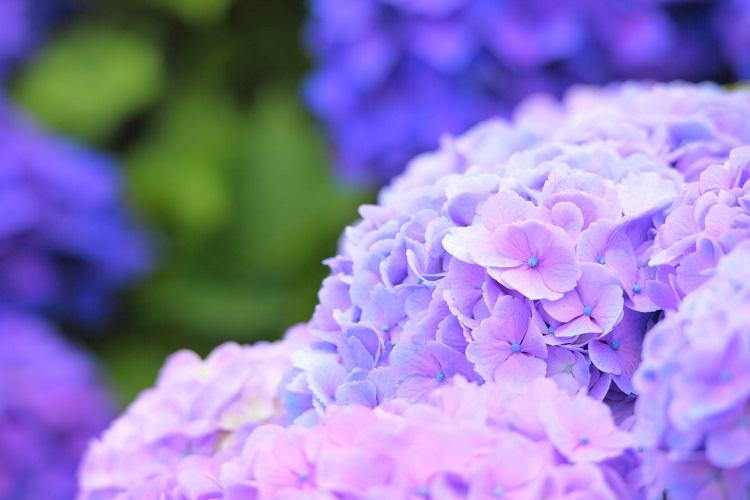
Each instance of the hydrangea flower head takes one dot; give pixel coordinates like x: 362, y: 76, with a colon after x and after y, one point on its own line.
x: 393, y: 76
x: 52, y: 402
x: 68, y: 240
x: 458, y: 443
x: 197, y: 409
x: 538, y: 263
x: 694, y: 387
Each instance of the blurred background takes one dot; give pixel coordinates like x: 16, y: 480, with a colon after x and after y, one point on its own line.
x: 199, y: 99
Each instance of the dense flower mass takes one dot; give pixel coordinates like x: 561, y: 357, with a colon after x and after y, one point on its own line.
x: 51, y: 403
x: 393, y: 75
x: 67, y: 241
x: 463, y: 442
x: 694, y: 385
x: 494, y: 305
x: 197, y: 409
x: 520, y: 266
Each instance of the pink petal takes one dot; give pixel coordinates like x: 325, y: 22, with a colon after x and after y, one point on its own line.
x: 520, y: 369
x: 504, y: 208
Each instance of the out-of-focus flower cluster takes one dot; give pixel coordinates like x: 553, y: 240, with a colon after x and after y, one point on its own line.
x: 493, y: 306
x: 198, y: 408
x: 52, y: 400
x: 67, y: 239
x: 67, y: 243
x: 694, y: 385
x: 392, y: 76
x: 24, y: 24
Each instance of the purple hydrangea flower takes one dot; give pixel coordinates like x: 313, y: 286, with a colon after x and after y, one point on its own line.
x: 456, y: 274
x: 198, y: 408
x: 458, y: 443
x: 52, y: 402
x: 692, y: 414
x: 24, y: 23
x: 506, y: 255
x: 392, y: 76
x: 67, y: 241
x: 711, y: 217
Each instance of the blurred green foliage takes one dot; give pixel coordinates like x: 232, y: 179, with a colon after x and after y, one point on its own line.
x: 199, y: 98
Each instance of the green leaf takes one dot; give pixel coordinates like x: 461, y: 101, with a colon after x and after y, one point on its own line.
x: 180, y: 173
x: 92, y: 79
x: 195, y: 11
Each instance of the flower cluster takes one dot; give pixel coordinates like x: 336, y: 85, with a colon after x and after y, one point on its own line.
x: 51, y: 403
x: 694, y: 406
x: 198, y: 408
x: 24, y: 22
x: 464, y: 442
x: 492, y: 306
x: 67, y: 241
x: 393, y: 75
x: 710, y: 218
x: 514, y: 266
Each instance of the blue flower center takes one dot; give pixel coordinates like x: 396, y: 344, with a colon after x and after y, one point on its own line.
x: 498, y: 492
x: 551, y: 329
x: 725, y: 376
x: 515, y: 348
x: 601, y: 260
x: 385, y: 328
x: 587, y: 310
x: 440, y: 376
x: 419, y: 281
x: 533, y: 262
x: 637, y: 288
x: 423, y: 491
x: 303, y: 475
x: 615, y: 344
x: 584, y: 439
x: 568, y: 369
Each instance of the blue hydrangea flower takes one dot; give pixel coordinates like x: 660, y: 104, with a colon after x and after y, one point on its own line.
x: 67, y: 239
x: 52, y: 402
x: 24, y: 23
x: 392, y: 76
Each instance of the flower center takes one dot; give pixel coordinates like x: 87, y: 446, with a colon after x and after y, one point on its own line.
x: 515, y: 348
x: 498, y: 492
x: 637, y: 288
x: 584, y: 439
x: 601, y: 260
x: 533, y: 262
x: 568, y: 369
x: 303, y: 475
x: 725, y: 376
x: 419, y: 281
x: 615, y: 344
x: 440, y: 376
x: 587, y: 310
x: 385, y: 328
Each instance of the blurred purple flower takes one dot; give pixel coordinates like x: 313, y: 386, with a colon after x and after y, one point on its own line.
x: 393, y: 76
x: 52, y: 402
x: 198, y: 408
x: 68, y: 241
x: 695, y: 388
